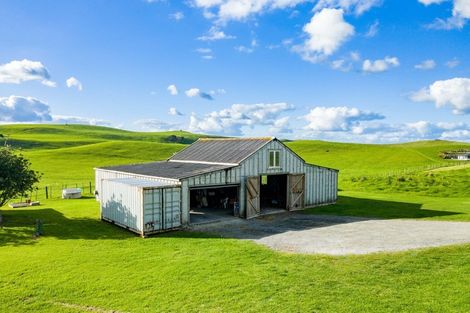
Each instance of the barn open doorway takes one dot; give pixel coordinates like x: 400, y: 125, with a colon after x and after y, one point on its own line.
x: 273, y: 193
x: 213, y: 203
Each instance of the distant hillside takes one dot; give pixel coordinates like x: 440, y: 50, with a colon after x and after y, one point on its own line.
x: 58, y: 136
x: 364, y: 159
x: 68, y: 153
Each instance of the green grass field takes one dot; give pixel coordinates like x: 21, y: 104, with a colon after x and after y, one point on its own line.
x: 84, y: 265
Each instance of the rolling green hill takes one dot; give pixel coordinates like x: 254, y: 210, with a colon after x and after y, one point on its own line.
x: 68, y: 154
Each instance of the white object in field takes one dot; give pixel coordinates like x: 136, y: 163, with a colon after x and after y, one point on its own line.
x: 15, y: 205
x: 72, y: 193
x: 18, y: 205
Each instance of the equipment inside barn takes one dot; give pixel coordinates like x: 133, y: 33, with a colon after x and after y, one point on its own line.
x: 222, y: 199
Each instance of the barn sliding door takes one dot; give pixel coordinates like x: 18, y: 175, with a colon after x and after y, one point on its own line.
x: 253, y: 196
x: 296, y: 191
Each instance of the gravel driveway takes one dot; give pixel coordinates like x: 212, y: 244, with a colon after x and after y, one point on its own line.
x: 337, y: 235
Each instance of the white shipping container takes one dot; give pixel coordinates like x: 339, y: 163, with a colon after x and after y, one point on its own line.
x: 142, y: 206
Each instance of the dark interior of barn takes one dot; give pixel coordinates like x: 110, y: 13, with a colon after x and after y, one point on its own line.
x: 273, y: 192
x: 214, y: 200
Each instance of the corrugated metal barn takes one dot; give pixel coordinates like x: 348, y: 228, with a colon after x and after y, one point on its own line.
x: 243, y: 177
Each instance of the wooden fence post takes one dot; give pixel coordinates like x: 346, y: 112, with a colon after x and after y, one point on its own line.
x: 47, y: 194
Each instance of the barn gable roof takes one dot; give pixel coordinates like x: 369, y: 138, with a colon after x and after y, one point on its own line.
x: 220, y: 151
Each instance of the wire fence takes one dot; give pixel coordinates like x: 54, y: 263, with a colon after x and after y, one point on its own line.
x: 420, y: 169
x: 54, y: 191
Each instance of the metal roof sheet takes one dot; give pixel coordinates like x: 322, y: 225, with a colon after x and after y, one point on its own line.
x: 172, y: 170
x: 227, y: 150
x: 142, y: 183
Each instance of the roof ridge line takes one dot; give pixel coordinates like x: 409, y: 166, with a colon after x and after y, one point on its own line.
x: 235, y: 138
x: 203, y: 162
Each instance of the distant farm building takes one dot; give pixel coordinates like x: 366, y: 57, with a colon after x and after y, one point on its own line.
x: 460, y: 155
x: 239, y: 177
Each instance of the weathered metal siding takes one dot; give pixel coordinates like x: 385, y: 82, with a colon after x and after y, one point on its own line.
x: 141, y: 209
x: 101, y: 174
x: 122, y: 204
x: 321, y: 183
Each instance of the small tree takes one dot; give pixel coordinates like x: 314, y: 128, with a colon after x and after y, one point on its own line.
x: 16, y: 176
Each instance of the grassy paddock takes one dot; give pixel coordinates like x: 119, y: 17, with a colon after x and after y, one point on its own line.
x: 397, y: 205
x: 81, y: 263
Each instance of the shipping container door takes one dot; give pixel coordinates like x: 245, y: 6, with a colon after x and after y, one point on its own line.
x: 296, y: 192
x: 152, y: 209
x: 171, y: 208
x: 253, y: 196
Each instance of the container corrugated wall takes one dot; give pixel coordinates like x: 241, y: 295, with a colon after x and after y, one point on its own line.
x: 122, y: 204
x: 162, y: 208
x: 142, y: 210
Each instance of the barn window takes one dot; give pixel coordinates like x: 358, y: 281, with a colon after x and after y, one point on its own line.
x: 274, y: 158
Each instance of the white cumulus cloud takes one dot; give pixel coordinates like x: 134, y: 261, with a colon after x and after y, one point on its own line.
x: 326, y: 31
x: 156, y: 125
x: 23, y: 109
x: 460, y: 15
x: 73, y: 82
x: 337, y: 118
x: 18, y: 109
x: 174, y: 111
x: 233, y: 120
x: 195, y: 92
x: 226, y: 10
x: 214, y: 34
x: 426, y: 65
x: 380, y: 65
x: 69, y: 119
x: 428, y: 2
x: 16, y: 72
x: 172, y: 90
x: 453, y: 92
x: 356, y: 6
x: 240, y: 10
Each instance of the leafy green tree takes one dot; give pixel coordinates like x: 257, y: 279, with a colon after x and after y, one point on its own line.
x: 16, y: 176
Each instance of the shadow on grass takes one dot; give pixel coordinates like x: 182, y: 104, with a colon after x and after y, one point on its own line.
x: 364, y: 207
x: 18, y: 227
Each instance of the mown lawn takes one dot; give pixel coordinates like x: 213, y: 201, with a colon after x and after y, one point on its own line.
x: 397, y: 205
x: 83, y: 264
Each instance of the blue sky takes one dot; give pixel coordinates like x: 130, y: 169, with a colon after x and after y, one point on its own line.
x: 343, y: 70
